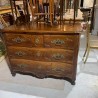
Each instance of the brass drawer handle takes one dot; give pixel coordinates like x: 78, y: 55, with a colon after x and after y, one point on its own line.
x: 18, y: 40
x: 58, y: 42
x: 20, y: 53
x: 58, y: 69
x: 38, y: 54
x: 58, y: 56
x: 22, y: 65
x: 37, y: 41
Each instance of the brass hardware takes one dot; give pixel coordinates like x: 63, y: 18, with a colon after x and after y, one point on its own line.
x: 58, y: 42
x: 37, y: 41
x: 22, y: 65
x: 20, y: 53
x: 58, y: 56
x: 18, y: 40
x: 58, y: 69
x: 38, y: 54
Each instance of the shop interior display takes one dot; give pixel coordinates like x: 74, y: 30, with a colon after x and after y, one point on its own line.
x: 42, y: 42
x: 48, y: 11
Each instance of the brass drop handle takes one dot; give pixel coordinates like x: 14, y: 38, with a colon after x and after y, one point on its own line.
x: 22, y: 65
x: 37, y: 41
x: 58, y: 42
x: 18, y: 40
x: 20, y: 53
x: 58, y: 69
x: 58, y: 56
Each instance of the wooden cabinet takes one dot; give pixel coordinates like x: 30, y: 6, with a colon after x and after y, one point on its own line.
x: 43, y: 51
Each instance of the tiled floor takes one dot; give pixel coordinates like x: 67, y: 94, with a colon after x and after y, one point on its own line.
x: 86, y: 80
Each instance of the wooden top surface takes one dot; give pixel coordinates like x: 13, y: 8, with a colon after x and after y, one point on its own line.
x: 42, y: 28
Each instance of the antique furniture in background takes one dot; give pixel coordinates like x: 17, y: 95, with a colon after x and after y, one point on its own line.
x: 48, y: 11
x: 34, y: 9
x: 18, y: 17
x: 90, y: 4
x: 90, y: 44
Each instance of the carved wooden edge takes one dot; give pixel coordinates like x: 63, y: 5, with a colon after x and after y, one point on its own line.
x: 42, y: 75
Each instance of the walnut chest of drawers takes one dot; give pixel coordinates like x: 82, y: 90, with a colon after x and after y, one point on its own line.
x: 42, y: 51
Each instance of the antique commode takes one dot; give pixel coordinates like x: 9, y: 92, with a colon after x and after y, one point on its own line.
x: 47, y: 48
x: 42, y: 50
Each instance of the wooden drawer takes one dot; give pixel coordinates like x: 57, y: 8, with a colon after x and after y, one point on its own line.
x: 42, y: 54
x: 29, y: 65
x: 41, y: 68
x: 19, y: 52
x: 26, y: 53
x: 18, y: 40
x: 24, y: 40
x: 60, y: 69
x: 59, y: 41
x: 59, y: 55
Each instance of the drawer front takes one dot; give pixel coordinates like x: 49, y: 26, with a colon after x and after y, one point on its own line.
x: 26, y: 53
x: 24, y: 40
x: 59, y: 41
x: 18, y: 40
x: 42, y: 54
x: 19, y: 52
x: 59, y: 55
x: 29, y: 65
x: 60, y: 69
x: 41, y: 68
